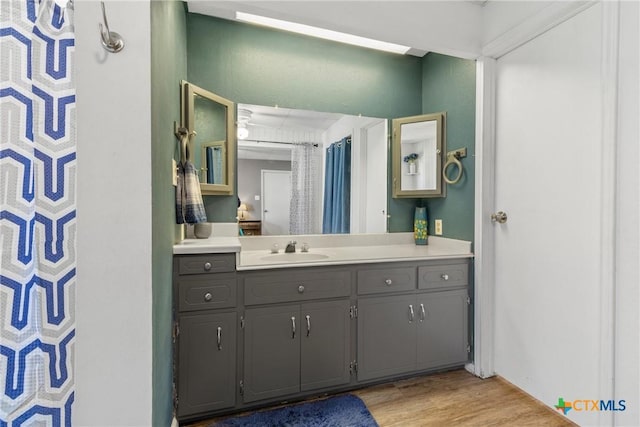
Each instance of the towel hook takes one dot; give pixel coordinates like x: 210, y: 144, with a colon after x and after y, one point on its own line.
x: 111, y: 40
x: 184, y: 136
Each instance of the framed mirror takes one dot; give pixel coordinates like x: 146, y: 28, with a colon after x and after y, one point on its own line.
x: 212, y: 149
x: 418, y: 147
x: 283, y: 163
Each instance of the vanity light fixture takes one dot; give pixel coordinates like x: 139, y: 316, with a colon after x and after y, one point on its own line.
x: 243, y: 132
x: 243, y: 120
x: 322, y: 33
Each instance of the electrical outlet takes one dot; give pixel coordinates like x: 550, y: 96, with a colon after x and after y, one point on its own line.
x: 174, y: 172
x: 438, y: 227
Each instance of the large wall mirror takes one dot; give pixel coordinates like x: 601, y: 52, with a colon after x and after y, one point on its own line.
x: 307, y: 172
x: 213, y: 146
x: 418, y: 147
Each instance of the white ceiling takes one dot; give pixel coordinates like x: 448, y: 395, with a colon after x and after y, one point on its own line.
x: 289, y: 119
x: 447, y: 27
x: 269, y: 125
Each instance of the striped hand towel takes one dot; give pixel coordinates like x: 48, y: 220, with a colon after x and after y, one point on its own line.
x: 189, y: 205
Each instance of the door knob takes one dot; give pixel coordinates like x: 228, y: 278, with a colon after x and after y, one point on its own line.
x: 499, y: 217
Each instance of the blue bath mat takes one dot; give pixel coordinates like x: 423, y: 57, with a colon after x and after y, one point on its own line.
x: 340, y: 411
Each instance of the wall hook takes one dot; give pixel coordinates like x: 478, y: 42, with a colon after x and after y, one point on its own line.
x: 111, y: 40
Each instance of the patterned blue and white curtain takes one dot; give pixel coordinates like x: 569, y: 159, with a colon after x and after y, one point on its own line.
x: 306, y: 184
x: 37, y: 213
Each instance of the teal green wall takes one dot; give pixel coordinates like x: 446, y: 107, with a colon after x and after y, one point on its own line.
x: 256, y: 65
x: 449, y: 84
x: 168, y: 67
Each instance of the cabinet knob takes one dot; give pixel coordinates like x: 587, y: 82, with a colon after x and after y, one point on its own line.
x: 445, y: 277
x: 208, y: 297
x: 207, y: 266
x: 388, y: 282
x: 301, y: 289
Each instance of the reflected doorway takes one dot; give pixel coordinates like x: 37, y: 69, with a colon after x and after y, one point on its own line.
x: 275, y: 196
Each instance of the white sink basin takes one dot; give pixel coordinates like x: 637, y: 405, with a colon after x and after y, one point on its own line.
x: 294, y: 256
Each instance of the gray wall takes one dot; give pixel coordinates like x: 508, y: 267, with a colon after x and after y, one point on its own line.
x: 249, y: 181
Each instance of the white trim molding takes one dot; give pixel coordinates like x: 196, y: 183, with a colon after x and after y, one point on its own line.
x: 608, y: 196
x: 484, y: 204
x: 552, y: 15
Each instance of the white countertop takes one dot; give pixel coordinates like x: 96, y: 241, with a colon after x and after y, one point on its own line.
x: 212, y: 245
x: 367, y: 251
x: 254, y: 253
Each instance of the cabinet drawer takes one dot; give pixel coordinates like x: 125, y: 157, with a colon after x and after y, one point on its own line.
x: 301, y: 285
x: 205, y: 292
x: 202, y: 264
x: 443, y: 276
x: 380, y: 280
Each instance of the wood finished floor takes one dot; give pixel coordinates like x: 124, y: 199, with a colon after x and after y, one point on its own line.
x: 454, y: 398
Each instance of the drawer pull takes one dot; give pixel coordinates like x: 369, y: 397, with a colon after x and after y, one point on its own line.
x: 412, y: 315
x: 423, y: 314
x: 208, y: 297
x: 308, y: 324
x: 219, y: 336
x: 300, y: 289
x: 293, y: 327
x: 388, y: 282
x: 207, y: 266
x: 445, y: 276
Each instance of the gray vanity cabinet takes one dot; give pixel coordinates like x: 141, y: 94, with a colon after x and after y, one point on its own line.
x: 293, y: 348
x: 207, y: 349
x: 206, y: 328
x: 386, y: 337
x: 400, y: 334
x: 418, y: 322
x: 251, y: 338
x: 271, y: 352
x: 325, y: 344
x: 442, y: 329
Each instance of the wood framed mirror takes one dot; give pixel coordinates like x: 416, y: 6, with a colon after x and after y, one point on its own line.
x: 213, y: 146
x: 417, y: 155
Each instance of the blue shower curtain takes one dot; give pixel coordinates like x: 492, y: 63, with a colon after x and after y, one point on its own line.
x: 337, y: 188
x: 214, y: 165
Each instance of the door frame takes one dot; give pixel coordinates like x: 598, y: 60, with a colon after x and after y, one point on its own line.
x: 484, y: 248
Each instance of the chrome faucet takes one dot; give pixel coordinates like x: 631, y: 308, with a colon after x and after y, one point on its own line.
x: 291, y: 247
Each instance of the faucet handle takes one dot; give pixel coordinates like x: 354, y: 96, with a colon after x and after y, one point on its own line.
x: 292, y: 242
x: 305, y: 247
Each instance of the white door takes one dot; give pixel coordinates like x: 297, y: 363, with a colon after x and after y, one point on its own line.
x: 375, y: 185
x: 276, y: 196
x: 547, y: 174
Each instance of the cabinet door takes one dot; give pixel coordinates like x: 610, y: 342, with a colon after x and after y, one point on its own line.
x: 386, y: 336
x: 207, y: 363
x: 271, y: 352
x: 442, y: 329
x: 325, y: 344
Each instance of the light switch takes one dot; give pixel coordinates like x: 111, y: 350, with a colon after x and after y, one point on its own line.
x: 256, y: 197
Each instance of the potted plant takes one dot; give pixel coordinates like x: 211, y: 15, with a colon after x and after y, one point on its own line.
x: 411, y: 160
